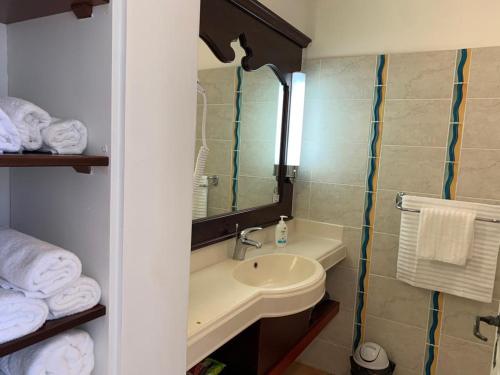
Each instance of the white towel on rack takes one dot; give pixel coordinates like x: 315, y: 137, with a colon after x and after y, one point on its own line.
x: 29, y: 120
x: 10, y: 140
x: 69, y: 353
x: 476, y: 279
x: 20, y: 315
x: 34, y: 267
x: 81, y: 295
x: 65, y: 137
x: 445, y: 235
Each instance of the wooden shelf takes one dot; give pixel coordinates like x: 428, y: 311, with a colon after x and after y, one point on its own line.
x: 81, y: 163
x: 322, y: 314
x: 52, y: 328
x: 21, y: 10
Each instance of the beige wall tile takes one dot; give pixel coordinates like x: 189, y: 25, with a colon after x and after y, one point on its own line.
x: 423, y: 75
x: 482, y: 123
x: 479, y: 175
x: 394, y: 300
x: 340, y: 329
x: 387, y: 216
x: 307, y: 160
x: 352, y: 240
x: 220, y: 121
x: 301, y: 198
x: 418, y: 169
x: 337, y: 120
x: 219, y: 157
x: 328, y: 357
x: 348, y: 77
x: 404, y: 343
x: 340, y: 163
x: 416, y: 122
x: 257, y: 158
x: 341, y: 285
x: 312, y: 70
x: 220, y: 196
x: 337, y: 204
x: 384, y: 255
x: 459, y: 357
x: 219, y: 84
x: 258, y: 121
x: 485, y: 73
x: 260, y: 86
x: 459, y: 316
x: 255, y: 191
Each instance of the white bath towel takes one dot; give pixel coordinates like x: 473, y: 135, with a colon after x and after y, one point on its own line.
x: 65, y: 137
x: 34, y: 267
x: 476, y: 279
x: 445, y: 235
x: 82, y: 295
x: 69, y: 353
x: 20, y: 315
x: 29, y: 120
x: 10, y: 140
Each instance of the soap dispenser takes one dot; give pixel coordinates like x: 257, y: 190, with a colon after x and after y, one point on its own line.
x: 281, y: 236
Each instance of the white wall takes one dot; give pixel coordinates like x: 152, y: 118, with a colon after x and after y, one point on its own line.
x: 4, y: 172
x: 64, y: 65
x: 160, y: 116
x: 386, y: 26
x: 356, y: 27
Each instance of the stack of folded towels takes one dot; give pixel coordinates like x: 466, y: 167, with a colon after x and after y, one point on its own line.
x: 70, y: 353
x: 39, y: 282
x: 26, y: 127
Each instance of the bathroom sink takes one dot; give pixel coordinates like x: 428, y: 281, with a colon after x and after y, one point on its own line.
x: 277, y: 271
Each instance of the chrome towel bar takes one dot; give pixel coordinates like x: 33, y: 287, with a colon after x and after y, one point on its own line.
x: 399, y: 206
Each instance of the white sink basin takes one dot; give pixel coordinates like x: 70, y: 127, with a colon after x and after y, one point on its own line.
x: 276, y: 271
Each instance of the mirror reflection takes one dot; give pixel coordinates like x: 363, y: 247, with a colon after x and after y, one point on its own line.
x: 236, y: 136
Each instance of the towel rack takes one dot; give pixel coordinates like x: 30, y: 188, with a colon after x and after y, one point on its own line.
x: 399, y: 206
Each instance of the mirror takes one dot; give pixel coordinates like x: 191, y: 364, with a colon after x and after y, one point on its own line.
x: 237, y: 146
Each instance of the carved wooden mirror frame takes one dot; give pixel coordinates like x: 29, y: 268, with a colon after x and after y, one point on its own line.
x: 267, y: 40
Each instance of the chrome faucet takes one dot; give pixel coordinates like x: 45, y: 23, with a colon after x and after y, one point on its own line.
x: 243, y: 243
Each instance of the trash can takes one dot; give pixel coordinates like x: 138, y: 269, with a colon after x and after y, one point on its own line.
x: 371, y: 359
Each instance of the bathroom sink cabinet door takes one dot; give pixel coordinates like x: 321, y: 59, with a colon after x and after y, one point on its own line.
x: 258, y: 348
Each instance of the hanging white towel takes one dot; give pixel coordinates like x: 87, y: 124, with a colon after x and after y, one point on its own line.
x: 29, y: 120
x: 81, y: 295
x: 10, y: 140
x: 476, y: 279
x: 445, y: 235
x: 69, y: 353
x: 34, y: 267
x: 65, y: 137
x: 20, y: 315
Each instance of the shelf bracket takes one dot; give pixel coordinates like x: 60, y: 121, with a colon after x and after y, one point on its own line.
x: 85, y: 169
x: 82, y: 10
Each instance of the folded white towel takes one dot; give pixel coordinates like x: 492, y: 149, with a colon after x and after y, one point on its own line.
x: 65, y: 137
x: 82, y: 295
x: 476, y: 279
x: 29, y: 120
x: 446, y: 235
x: 34, y: 267
x: 10, y: 140
x: 20, y: 315
x: 70, y: 353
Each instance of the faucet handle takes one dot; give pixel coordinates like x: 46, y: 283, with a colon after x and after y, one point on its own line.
x: 246, y: 232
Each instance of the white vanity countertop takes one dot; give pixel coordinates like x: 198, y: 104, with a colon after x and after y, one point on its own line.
x: 221, y: 307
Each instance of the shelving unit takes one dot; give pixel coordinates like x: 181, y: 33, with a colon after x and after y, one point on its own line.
x: 21, y: 10
x: 61, y: 203
x: 52, y: 328
x: 81, y: 163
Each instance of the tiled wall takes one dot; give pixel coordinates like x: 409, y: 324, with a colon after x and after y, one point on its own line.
x: 422, y: 123
x: 241, y: 125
